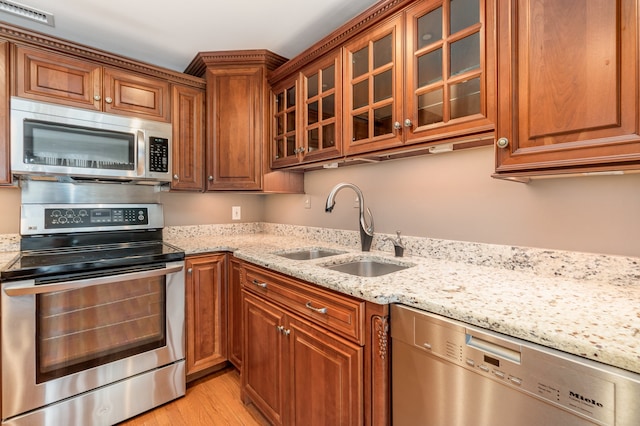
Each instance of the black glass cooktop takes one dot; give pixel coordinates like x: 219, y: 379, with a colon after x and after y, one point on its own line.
x: 69, y: 254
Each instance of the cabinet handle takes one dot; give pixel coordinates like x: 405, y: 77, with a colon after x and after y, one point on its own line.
x: 408, y: 123
x: 210, y: 178
x: 97, y: 97
x: 190, y: 270
x: 108, y: 100
x: 280, y: 329
x: 285, y: 331
x: 259, y: 284
x: 176, y: 177
x: 397, y: 125
x: 502, y: 143
x: 318, y: 310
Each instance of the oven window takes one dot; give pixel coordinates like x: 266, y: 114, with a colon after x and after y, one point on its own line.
x: 56, y: 144
x: 88, y: 327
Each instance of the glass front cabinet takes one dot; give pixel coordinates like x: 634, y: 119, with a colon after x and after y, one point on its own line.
x: 435, y: 90
x: 307, y: 121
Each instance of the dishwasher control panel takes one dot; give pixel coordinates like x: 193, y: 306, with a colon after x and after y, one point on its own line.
x: 561, y: 379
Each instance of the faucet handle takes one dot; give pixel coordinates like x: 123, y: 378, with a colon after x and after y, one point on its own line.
x: 398, y: 241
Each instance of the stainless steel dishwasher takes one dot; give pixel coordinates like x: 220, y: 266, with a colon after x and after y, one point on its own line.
x: 448, y: 373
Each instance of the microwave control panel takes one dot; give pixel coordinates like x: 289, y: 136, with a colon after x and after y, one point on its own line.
x: 91, y: 217
x: 158, y: 154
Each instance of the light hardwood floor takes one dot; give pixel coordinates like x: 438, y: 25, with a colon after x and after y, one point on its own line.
x: 213, y: 400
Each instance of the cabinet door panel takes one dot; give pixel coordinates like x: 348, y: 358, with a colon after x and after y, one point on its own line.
x: 206, y: 312
x: 235, y: 326
x: 326, y: 377
x: 130, y: 94
x: 57, y: 78
x: 568, y: 84
x: 235, y: 125
x: 262, y: 369
x: 188, y: 139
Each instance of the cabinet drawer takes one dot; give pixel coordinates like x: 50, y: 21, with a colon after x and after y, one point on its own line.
x: 339, y: 313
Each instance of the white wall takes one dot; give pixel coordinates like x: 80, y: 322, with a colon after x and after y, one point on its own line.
x: 452, y: 196
x: 448, y: 196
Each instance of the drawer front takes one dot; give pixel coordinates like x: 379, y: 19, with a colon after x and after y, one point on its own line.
x: 338, y: 313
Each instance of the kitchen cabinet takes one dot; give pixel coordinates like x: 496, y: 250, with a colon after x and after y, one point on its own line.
x: 438, y: 88
x: 568, y: 87
x: 307, y: 114
x: 206, y: 313
x: 312, y: 356
x: 236, y: 122
x: 188, y: 138
x: 234, y: 303
x: 62, y: 79
x: 5, y: 166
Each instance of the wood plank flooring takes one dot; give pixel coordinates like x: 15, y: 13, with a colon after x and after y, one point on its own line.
x: 211, y: 401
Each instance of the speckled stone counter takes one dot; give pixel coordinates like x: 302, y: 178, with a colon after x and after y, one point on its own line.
x: 581, y: 303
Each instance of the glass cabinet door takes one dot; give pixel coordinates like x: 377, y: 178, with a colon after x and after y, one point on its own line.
x: 285, y: 143
x: 373, y: 81
x: 446, y: 75
x: 322, y: 102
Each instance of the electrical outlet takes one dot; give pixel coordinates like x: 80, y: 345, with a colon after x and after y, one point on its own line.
x: 236, y: 213
x: 307, y: 201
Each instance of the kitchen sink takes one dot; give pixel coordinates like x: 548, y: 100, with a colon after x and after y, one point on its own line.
x: 309, y: 253
x: 367, y: 267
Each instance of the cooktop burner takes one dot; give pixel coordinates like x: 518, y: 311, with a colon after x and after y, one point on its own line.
x: 67, y: 254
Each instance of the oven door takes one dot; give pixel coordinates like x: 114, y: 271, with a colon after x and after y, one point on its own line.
x: 64, y: 338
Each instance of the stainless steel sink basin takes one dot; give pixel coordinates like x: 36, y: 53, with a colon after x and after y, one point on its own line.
x: 367, y: 268
x: 307, y: 254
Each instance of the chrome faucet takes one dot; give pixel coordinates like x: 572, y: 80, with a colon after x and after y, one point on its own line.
x: 366, y: 231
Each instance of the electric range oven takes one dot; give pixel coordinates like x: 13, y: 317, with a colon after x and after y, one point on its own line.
x: 92, y: 316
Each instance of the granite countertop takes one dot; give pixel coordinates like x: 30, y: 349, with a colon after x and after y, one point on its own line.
x: 587, y: 305
x: 584, y: 304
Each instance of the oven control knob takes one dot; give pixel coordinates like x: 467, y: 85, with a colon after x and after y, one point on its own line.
x: 55, y: 213
x: 62, y: 219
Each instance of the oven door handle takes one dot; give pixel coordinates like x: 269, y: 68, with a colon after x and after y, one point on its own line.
x: 26, y: 290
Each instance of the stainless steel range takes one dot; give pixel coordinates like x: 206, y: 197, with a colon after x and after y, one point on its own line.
x: 92, y: 311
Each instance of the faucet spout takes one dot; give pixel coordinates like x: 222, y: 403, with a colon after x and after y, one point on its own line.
x: 366, y: 230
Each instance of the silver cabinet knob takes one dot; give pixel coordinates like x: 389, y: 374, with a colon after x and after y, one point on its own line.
x: 108, y: 100
x: 97, y: 97
x: 210, y: 178
x: 190, y: 270
x: 408, y: 123
x: 176, y: 177
x: 397, y: 125
x: 502, y: 143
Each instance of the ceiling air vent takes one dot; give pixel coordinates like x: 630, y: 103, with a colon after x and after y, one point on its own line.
x: 26, y: 12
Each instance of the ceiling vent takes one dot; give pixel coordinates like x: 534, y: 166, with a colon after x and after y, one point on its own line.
x: 27, y: 12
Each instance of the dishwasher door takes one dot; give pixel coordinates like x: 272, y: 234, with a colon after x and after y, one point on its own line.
x: 447, y: 373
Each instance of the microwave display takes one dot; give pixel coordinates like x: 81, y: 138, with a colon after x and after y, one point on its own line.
x: 56, y: 144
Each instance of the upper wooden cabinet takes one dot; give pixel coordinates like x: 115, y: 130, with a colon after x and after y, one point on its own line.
x: 5, y: 167
x: 438, y: 87
x: 568, y: 79
x: 236, y: 122
x: 187, y: 118
x: 62, y: 79
x: 307, y: 114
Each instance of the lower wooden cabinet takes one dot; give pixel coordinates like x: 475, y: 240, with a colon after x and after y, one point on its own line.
x: 312, y: 356
x: 206, y: 313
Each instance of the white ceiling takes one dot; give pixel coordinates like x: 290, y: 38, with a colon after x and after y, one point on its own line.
x: 171, y: 33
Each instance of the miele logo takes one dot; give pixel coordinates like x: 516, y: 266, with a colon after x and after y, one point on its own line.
x: 585, y: 400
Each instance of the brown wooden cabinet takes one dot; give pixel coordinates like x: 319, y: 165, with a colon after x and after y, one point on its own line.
x: 439, y: 87
x: 568, y: 87
x: 188, y: 138
x: 62, y: 79
x: 311, y: 355
x: 234, y: 303
x: 206, y: 313
x: 307, y: 114
x: 5, y: 166
x: 236, y: 123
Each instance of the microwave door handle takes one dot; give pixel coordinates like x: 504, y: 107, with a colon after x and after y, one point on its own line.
x: 142, y: 148
x: 25, y: 290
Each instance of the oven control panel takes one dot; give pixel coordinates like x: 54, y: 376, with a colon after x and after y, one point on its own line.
x: 56, y: 218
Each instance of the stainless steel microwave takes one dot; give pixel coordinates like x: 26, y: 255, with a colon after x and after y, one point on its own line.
x: 56, y: 140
